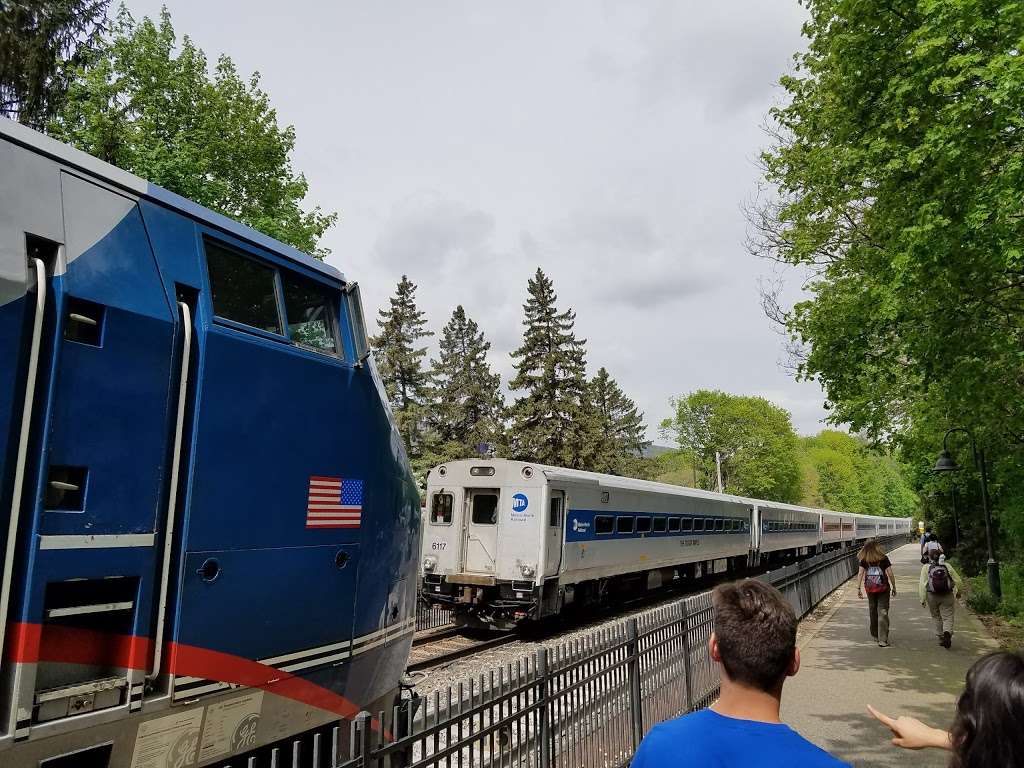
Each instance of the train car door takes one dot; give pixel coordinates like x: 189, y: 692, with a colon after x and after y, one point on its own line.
x: 554, y: 533
x: 480, y: 552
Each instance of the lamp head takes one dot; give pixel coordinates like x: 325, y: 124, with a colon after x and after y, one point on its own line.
x: 945, y: 463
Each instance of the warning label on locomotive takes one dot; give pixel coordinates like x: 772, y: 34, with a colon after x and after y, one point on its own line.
x: 231, y: 726
x: 168, y: 742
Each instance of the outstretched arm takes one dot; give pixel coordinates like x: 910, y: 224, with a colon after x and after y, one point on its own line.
x: 911, y: 733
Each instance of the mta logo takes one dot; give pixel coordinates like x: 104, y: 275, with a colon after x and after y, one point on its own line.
x: 520, y: 502
x: 579, y: 526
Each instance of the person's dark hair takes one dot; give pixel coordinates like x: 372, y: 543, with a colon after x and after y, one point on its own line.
x: 756, y: 631
x: 928, y: 529
x: 932, y: 537
x: 986, y: 731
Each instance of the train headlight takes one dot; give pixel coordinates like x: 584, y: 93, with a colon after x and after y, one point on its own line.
x: 429, y: 563
x: 527, y: 571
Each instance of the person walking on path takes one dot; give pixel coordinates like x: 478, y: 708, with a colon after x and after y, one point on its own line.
x: 986, y: 729
x: 924, y: 538
x: 875, y: 578
x: 939, y: 587
x: 931, y: 549
x: 754, y: 644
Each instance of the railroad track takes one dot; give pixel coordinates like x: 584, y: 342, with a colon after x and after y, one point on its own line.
x: 442, y: 648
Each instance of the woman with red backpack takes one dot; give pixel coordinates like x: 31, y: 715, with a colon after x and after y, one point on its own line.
x: 876, y: 579
x: 939, y: 587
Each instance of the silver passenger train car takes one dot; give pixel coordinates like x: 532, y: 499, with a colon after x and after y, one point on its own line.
x: 508, y: 541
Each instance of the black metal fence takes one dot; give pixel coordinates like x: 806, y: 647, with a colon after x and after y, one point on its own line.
x: 586, y: 703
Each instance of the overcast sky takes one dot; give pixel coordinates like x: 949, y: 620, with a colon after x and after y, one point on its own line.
x: 611, y: 143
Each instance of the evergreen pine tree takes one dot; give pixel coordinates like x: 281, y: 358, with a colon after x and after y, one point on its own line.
x: 621, y: 431
x: 552, y: 422
x: 467, y: 406
x: 400, y: 363
x: 41, y: 44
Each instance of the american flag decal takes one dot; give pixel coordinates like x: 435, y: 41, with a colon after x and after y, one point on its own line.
x: 334, y: 503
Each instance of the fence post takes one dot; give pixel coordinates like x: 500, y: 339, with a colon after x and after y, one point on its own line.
x: 543, y: 709
x: 636, y: 706
x: 684, y: 617
x: 363, y: 730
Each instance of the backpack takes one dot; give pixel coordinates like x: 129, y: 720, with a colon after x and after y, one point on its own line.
x: 874, y: 579
x: 939, y: 582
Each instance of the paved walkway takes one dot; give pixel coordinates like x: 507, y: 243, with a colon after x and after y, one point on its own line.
x: 843, y: 669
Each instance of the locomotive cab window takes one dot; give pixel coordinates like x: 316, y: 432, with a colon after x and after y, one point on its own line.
x: 660, y: 524
x: 310, y: 310
x: 624, y: 525
x: 441, y: 509
x: 643, y: 525
x: 603, y: 524
x: 244, y: 291
x: 485, y: 509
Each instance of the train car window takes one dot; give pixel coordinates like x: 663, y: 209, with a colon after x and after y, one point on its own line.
x: 243, y: 290
x: 310, y: 310
x: 555, y: 512
x: 719, y: 524
x: 709, y: 524
x: 643, y: 525
x: 603, y: 524
x: 441, y: 509
x: 698, y: 524
x: 687, y: 523
x: 485, y: 509
x: 673, y: 525
x: 623, y: 524
x: 733, y: 525
x: 660, y: 524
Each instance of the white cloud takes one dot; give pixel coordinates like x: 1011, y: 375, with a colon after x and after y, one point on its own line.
x: 610, y: 143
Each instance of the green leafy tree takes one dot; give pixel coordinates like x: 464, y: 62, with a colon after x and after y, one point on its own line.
x: 466, y: 407
x: 553, y: 421
x: 754, y: 438
x: 620, y: 429
x: 41, y: 44
x: 400, y: 362
x: 899, y: 169
x: 152, y: 107
x: 844, y: 473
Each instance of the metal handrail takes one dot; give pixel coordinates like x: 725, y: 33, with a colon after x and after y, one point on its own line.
x: 26, y: 426
x: 172, y: 496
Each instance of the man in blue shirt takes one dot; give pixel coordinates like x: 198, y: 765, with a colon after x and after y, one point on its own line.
x: 754, y: 644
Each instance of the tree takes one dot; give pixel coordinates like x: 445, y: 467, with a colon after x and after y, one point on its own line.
x: 844, y: 473
x: 620, y: 428
x: 41, y: 43
x: 552, y: 421
x: 466, y: 405
x: 152, y: 107
x: 899, y: 168
x: 755, y: 439
x: 400, y: 362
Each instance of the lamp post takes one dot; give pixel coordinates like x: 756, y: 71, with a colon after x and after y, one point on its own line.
x: 946, y: 463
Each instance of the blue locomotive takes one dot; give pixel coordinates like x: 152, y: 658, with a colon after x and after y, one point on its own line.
x: 210, y: 529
